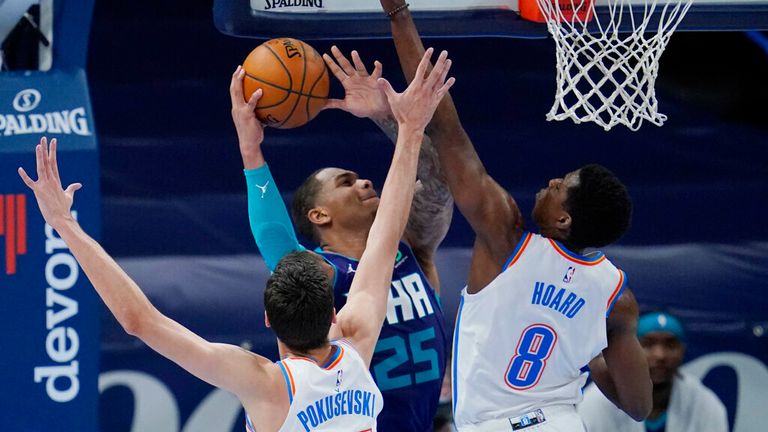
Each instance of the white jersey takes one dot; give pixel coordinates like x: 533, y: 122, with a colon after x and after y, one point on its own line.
x: 338, y: 396
x: 523, y: 342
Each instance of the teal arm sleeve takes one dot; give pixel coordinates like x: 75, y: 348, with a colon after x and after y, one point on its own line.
x: 270, y: 224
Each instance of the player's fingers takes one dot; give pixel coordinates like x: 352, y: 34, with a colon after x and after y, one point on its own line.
x: 377, y: 68
x: 385, y: 86
x: 71, y: 189
x: 236, y: 87
x: 47, y: 158
x: 444, y: 89
x: 52, y: 159
x: 40, y: 160
x: 423, y: 65
x: 359, y: 66
x: 254, y: 100
x: 335, y: 69
x: 444, y: 74
x: 343, y: 62
x: 437, y: 72
x: 25, y: 178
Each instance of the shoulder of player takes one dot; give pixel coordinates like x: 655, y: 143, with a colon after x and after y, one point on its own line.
x: 623, y: 316
x: 261, y: 379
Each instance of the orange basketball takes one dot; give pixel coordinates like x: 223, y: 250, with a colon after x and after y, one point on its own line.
x: 293, y: 78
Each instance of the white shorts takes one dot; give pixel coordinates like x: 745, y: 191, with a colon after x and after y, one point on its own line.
x: 555, y: 418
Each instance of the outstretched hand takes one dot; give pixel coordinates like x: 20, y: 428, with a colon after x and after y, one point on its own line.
x: 250, y: 131
x: 415, y: 106
x: 54, y: 202
x: 362, y: 95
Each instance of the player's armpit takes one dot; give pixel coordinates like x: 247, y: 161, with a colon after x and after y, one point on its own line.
x: 625, y: 359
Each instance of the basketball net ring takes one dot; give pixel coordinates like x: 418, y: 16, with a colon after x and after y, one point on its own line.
x: 607, y: 59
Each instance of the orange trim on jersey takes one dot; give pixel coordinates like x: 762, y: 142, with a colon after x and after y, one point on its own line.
x: 290, y: 378
x: 616, y: 292
x: 338, y: 359
x: 573, y: 258
x: 519, y: 251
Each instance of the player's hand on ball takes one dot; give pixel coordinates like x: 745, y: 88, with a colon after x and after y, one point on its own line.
x: 54, y: 202
x: 415, y: 106
x: 362, y: 95
x: 250, y: 131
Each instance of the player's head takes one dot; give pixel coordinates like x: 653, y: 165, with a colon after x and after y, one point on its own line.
x: 298, y: 301
x: 333, y: 198
x: 589, y: 207
x: 663, y: 338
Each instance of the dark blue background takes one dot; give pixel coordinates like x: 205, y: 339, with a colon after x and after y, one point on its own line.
x: 172, y: 181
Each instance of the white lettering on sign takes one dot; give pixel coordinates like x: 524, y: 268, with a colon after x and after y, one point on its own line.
x: 62, y: 343
x: 67, y: 122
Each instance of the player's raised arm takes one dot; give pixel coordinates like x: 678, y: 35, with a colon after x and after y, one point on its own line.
x: 224, y: 366
x: 432, y: 207
x: 361, y: 318
x: 250, y: 131
x: 270, y: 224
x: 490, y: 210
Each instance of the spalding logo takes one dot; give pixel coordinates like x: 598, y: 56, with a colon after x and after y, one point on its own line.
x: 26, y: 100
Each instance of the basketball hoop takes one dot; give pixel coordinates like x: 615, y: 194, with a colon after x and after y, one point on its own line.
x: 607, y: 57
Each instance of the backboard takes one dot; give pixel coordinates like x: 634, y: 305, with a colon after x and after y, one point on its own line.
x: 345, y: 19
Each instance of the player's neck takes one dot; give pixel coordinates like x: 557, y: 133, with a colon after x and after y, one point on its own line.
x: 345, y: 242
x: 568, y: 245
x: 318, y: 355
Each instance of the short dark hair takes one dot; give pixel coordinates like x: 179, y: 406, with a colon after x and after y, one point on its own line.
x: 600, y: 208
x: 304, y: 200
x: 299, y: 301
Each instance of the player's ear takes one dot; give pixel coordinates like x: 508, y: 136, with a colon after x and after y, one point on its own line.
x: 333, y: 316
x: 319, y: 216
x: 266, y: 320
x: 564, y: 221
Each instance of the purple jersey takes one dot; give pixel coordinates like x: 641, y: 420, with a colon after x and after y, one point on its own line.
x: 409, y: 361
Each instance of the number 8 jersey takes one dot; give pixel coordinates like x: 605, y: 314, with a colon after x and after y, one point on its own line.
x: 523, y: 342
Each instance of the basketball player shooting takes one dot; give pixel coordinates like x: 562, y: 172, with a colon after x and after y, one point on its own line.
x: 335, y: 208
x: 298, y: 297
x: 536, y: 310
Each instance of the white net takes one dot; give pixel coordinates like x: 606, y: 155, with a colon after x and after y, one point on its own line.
x: 608, y: 59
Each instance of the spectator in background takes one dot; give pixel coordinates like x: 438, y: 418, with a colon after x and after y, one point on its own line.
x: 681, y: 403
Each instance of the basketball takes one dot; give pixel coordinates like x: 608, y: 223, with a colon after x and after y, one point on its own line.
x: 293, y: 78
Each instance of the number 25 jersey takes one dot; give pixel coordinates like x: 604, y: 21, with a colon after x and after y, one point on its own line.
x: 409, y: 360
x: 523, y: 341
